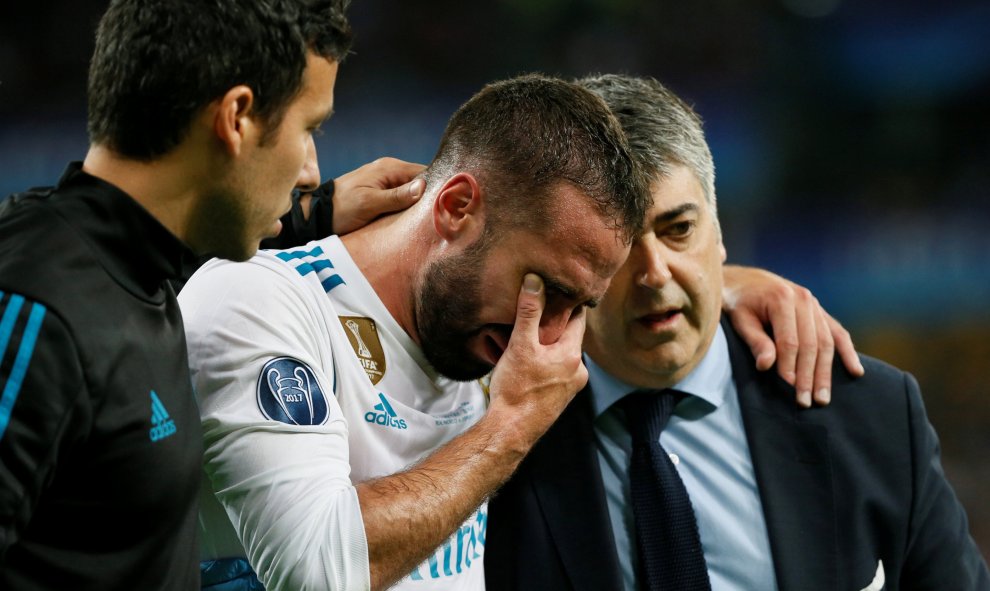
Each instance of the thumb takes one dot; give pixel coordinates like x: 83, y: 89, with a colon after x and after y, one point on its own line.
x: 529, y: 308
x: 402, y: 196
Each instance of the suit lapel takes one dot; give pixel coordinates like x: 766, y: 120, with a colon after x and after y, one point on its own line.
x: 571, y: 496
x: 793, y: 473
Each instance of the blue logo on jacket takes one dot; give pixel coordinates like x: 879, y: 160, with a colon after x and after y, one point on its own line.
x: 288, y: 392
x: 162, y: 425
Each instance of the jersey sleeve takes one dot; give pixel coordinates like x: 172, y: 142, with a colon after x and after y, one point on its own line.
x: 276, y: 448
x: 41, y: 387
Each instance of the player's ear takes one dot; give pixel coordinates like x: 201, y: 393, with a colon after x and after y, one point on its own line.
x: 458, y: 210
x: 233, y: 124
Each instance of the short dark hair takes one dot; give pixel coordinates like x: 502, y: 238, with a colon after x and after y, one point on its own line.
x: 158, y: 62
x: 524, y: 136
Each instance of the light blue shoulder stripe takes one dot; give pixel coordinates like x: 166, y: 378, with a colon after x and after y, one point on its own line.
x: 21, y: 363
x: 289, y: 255
x: 7, y: 322
x: 321, y: 266
x: 331, y: 282
x: 314, y: 266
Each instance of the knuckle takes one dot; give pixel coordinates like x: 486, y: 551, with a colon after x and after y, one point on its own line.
x: 788, y: 344
x: 388, y: 162
x: 529, y: 308
x: 395, y: 195
x: 781, y: 293
x: 825, y: 342
x: 581, y: 376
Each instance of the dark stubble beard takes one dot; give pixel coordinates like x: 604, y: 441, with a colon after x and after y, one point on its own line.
x: 447, y: 307
x: 221, y: 223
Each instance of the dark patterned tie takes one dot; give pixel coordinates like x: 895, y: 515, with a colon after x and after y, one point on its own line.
x: 670, y: 555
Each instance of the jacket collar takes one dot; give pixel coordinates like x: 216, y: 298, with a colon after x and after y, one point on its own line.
x: 793, y: 474
x: 133, y: 247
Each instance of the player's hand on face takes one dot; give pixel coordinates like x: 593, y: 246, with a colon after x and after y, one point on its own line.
x: 802, y: 338
x: 534, y: 379
x: 381, y: 187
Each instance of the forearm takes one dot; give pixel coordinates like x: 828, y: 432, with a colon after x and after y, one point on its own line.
x: 409, y: 514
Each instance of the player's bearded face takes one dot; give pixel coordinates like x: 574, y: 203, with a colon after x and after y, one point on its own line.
x: 447, y: 310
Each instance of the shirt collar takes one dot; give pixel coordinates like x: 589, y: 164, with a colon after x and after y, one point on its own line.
x: 133, y: 246
x: 708, y: 381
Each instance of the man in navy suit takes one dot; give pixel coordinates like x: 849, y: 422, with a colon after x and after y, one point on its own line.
x: 849, y: 496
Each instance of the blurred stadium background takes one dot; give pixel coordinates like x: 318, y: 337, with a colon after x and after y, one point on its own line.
x: 851, y: 140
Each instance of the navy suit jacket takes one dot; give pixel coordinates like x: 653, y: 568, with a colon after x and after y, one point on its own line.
x: 842, y: 487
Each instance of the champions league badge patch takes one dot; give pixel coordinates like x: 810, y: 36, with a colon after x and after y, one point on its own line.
x: 289, y: 393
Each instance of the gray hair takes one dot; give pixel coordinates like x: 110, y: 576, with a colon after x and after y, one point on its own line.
x: 662, y: 130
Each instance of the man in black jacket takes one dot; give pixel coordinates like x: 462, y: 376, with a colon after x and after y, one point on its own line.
x: 200, y: 120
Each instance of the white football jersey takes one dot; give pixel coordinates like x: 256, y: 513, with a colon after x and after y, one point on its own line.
x: 307, y: 385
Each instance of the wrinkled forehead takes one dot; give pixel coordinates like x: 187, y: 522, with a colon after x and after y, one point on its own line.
x: 579, y: 226
x: 605, y: 255
x: 580, y: 254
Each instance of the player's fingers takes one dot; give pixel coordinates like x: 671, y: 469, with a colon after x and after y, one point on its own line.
x: 389, y: 200
x: 753, y: 333
x: 573, y: 333
x: 823, y: 364
x: 390, y: 172
x: 805, y: 313
x: 844, y: 345
x: 783, y: 325
x: 529, y: 309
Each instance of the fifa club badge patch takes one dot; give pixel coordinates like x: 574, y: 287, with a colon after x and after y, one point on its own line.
x: 363, y: 336
x: 289, y: 393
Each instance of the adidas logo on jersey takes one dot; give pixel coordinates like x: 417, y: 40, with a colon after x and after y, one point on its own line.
x: 385, y: 416
x: 163, y: 425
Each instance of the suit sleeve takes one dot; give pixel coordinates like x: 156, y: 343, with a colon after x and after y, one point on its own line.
x: 277, y: 461
x: 41, y: 384
x: 940, y: 554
